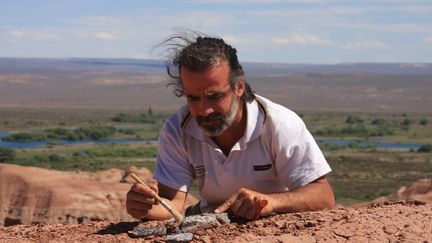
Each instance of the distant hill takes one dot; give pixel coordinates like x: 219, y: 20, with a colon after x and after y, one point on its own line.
x: 135, y: 83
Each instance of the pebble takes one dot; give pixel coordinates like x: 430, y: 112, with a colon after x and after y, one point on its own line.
x: 182, y: 237
x: 140, y: 231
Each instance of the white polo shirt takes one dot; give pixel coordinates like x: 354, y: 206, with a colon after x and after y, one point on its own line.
x: 276, y: 154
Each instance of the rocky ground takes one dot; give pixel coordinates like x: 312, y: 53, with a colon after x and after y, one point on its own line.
x: 404, y: 221
x: 39, y: 205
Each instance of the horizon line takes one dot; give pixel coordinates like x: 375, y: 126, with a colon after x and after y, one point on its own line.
x: 250, y: 62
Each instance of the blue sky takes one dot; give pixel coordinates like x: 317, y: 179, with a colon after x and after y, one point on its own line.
x: 288, y: 31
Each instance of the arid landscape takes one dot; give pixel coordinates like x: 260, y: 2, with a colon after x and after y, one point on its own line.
x: 392, y: 222
x: 84, y: 207
x: 137, y: 84
x: 62, y: 192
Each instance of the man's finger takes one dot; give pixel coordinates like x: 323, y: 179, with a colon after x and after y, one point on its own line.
x: 259, y: 205
x: 227, y: 204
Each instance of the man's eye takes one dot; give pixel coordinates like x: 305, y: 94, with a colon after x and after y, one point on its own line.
x: 215, y: 96
x: 192, y: 98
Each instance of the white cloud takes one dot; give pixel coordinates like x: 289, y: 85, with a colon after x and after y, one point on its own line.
x: 104, y: 36
x: 300, y: 40
x: 232, y: 40
x: 16, y: 34
x: 45, y: 36
x: 428, y: 39
x: 35, y: 35
x: 366, y: 45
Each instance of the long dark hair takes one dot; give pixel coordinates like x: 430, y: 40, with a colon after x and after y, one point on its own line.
x: 198, y: 52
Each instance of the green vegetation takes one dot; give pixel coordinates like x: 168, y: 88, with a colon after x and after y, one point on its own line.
x: 82, y: 133
x: 403, y: 128
x: 7, y: 155
x: 146, y: 118
x: 359, y: 173
x: 31, y: 118
x: 351, y: 146
x: 424, y: 122
x: 139, y: 118
x: 358, y: 177
x: 427, y: 148
x: 95, y: 158
x: 353, y: 120
x: 358, y: 131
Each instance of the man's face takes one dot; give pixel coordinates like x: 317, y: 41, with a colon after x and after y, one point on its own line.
x: 210, y: 98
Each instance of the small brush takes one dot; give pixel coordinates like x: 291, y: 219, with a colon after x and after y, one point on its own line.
x: 177, y: 216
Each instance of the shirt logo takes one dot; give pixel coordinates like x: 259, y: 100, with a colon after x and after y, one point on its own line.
x: 262, y: 167
x: 200, y: 171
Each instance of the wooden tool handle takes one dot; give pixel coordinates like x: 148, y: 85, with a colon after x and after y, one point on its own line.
x: 137, y: 179
x: 177, y: 216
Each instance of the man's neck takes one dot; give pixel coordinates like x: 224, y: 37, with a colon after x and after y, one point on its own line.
x: 231, y: 135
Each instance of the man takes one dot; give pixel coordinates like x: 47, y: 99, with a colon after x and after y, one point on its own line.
x: 248, y: 155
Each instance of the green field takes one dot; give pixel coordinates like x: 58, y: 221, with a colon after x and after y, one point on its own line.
x: 359, y: 174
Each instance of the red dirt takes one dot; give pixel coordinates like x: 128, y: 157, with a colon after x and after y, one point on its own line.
x: 405, y: 221
x: 60, y: 200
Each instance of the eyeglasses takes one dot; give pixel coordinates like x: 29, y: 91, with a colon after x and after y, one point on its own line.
x: 211, y: 96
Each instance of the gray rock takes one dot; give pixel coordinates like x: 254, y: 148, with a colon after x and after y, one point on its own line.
x: 204, y: 221
x: 182, y: 237
x: 140, y: 231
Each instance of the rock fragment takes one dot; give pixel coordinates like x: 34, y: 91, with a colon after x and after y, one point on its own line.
x: 182, y: 237
x: 140, y: 231
x: 202, y: 221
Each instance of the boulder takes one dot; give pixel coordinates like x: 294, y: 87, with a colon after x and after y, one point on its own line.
x: 30, y: 195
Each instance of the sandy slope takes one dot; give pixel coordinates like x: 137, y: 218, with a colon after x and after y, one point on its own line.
x: 31, y: 195
x: 407, y: 221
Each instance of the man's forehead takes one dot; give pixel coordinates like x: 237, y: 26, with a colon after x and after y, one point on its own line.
x: 216, y: 76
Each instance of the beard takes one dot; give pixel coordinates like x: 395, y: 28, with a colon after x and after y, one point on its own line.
x: 215, y: 124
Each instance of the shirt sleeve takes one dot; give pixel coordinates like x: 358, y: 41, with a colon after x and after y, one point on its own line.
x: 172, y: 167
x: 298, y: 159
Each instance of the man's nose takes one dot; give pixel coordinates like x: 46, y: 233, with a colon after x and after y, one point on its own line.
x: 205, y: 108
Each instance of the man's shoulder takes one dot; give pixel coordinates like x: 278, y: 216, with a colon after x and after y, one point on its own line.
x: 179, y: 116
x: 276, y: 113
x: 176, y: 120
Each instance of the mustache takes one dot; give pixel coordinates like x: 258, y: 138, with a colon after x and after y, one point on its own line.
x: 216, y: 116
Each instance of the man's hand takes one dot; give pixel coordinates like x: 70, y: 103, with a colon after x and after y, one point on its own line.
x: 139, y: 200
x: 247, y: 204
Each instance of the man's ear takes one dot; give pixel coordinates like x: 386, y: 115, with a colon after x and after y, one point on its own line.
x: 240, y: 88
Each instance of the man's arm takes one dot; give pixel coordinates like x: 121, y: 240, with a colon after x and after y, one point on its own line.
x: 313, y: 196
x: 140, y: 202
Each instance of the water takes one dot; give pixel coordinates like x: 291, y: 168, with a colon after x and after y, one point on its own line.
x: 338, y: 142
x: 43, y: 144
x: 377, y: 144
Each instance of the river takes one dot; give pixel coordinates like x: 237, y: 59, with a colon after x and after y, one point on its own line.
x: 338, y: 142
x: 42, y: 144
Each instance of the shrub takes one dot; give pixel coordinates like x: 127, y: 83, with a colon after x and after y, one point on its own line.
x: 406, y: 122
x: 353, y: 119
x: 7, y: 155
x: 95, y: 133
x: 25, y: 136
x: 59, y: 131
x: 424, y: 122
x: 378, y: 121
x: 427, y: 148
